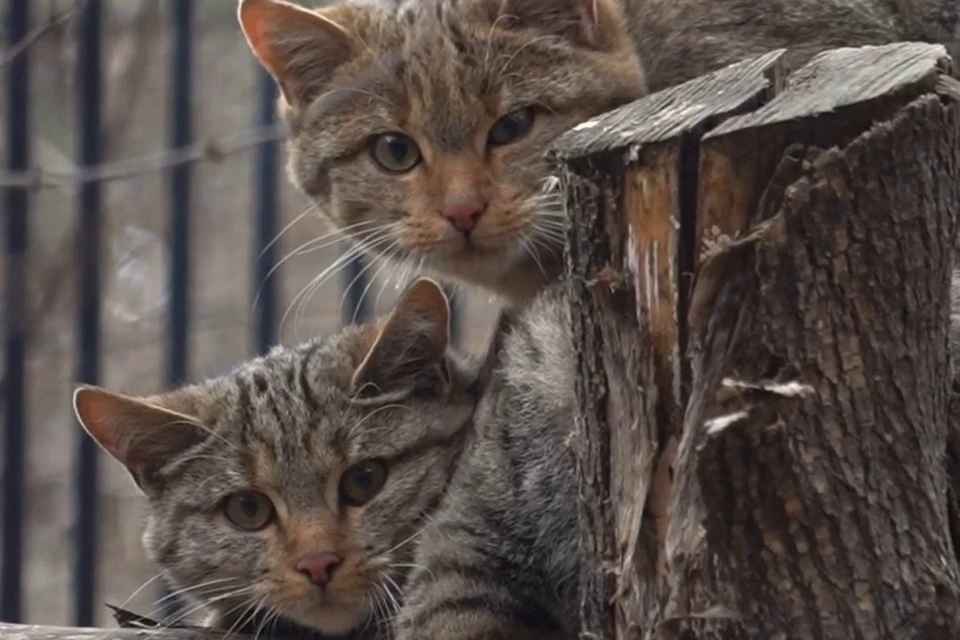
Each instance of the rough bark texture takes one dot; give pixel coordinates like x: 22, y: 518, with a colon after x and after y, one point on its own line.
x: 629, y: 202
x: 782, y: 468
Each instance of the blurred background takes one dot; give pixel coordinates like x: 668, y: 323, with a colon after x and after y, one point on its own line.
x: 150, y: 237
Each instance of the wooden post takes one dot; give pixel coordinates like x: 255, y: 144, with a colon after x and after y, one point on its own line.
x: 37, y: 632
x: 760, y: 265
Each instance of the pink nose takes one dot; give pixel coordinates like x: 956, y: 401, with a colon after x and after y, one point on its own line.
x: 318, y: 566
x: 463, y: 213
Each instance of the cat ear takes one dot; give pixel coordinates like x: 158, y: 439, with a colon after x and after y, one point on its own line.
x: 409, y: 353
x: 590, y: 23
x: 139, y: 434
x: 300, y: 48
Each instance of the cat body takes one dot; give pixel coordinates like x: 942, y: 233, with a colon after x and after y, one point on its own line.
x: 500, y: 557
x: 679, y: 40
x: 419, y: 127
x: 293, y: 488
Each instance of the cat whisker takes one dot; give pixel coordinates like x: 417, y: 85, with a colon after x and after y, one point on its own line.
x: 552, y: 229
x: 379, y: 606
x: 219, y: 583
x: 391, y: 607
x: 205, y: 429
x: 411, y: 567
x: 369, y: 241
x: 133, y: 595
x: 315, y: 244
x: 551, y: 185
x: 199, y: 456
x: 390, y: 256
x: 271, y: 618
x: 486, y: 55
x: 384, y: 259
x: 318, y: 282
x: 348, y: 89
x: 551, y: 241
x: 310, y: 209
x: 186, y: 613
x: 338, y: 264
x: 503, y: 67
x: 532, y: 252
x: 393, y: 593
x: 251, y: 607
x: 373, y: 413
x: 405, y: 541
x: 406, y: 275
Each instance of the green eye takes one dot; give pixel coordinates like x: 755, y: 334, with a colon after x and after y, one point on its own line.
x: 395, y: 152
x: 248, y: 510
x: 511, y: 127
x: 361, y: 482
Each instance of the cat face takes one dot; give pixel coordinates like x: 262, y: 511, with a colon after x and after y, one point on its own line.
x: 420, y: 131
x: 297, y: 484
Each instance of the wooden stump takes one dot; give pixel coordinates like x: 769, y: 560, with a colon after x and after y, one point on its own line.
x: 761, y: 267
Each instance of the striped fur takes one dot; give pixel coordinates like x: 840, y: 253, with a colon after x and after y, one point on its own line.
x: 499, y: 558
x: 288, y: 425
x: 443, y: 71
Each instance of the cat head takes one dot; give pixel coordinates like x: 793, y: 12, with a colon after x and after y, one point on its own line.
x: 297, y: 483
x: 420, y: 129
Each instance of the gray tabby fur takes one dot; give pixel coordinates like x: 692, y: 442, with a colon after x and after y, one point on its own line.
x: 500, y: 557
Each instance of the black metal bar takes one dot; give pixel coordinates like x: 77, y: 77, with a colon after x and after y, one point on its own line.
x: 357, y: 308
x: 268, y: 191
x: 90, y: 87
x: 181, y: 134
x: 16, y: 203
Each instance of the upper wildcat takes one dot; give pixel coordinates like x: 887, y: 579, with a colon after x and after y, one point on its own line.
x: 419, y: 127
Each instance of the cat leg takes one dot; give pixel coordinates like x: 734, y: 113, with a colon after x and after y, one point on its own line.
x: 468, y: 586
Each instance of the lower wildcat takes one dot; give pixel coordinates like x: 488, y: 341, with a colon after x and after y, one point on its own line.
x: 499, y: 559
x: 293, y: 489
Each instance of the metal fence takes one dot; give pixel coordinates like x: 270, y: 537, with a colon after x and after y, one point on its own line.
x: 20, y: 177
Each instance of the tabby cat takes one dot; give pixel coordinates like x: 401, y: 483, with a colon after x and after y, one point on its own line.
x: 295, y: 486
x: 499, y: 559
x: 419, y: 127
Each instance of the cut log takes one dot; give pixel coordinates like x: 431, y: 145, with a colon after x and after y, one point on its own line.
x: 760, y: 269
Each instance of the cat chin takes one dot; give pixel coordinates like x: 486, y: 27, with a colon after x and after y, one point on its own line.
x: 334, y: 619
x: 281, y: 628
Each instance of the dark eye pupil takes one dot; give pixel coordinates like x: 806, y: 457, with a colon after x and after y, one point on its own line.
x: 249, y: 506
x: 363, y: 478
x: 398, y: 148
x: 510, y: 127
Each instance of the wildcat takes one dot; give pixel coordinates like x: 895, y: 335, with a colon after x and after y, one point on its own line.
x: 418, y: 127
x: 294, y: 487
x: 499, y: 558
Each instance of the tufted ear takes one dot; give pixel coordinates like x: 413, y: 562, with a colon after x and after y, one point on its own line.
x: 143, y: 436
x: 597, y: 24
x: 301, y: 49
x: 409, y: 354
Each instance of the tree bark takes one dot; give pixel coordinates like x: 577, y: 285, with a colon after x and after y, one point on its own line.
x: 761, y: 268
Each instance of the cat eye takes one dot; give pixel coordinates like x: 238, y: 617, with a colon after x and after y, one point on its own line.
x: 395, y: 152
x: 248, y: 510
x: 361, y: 482
x: 511, y: 127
